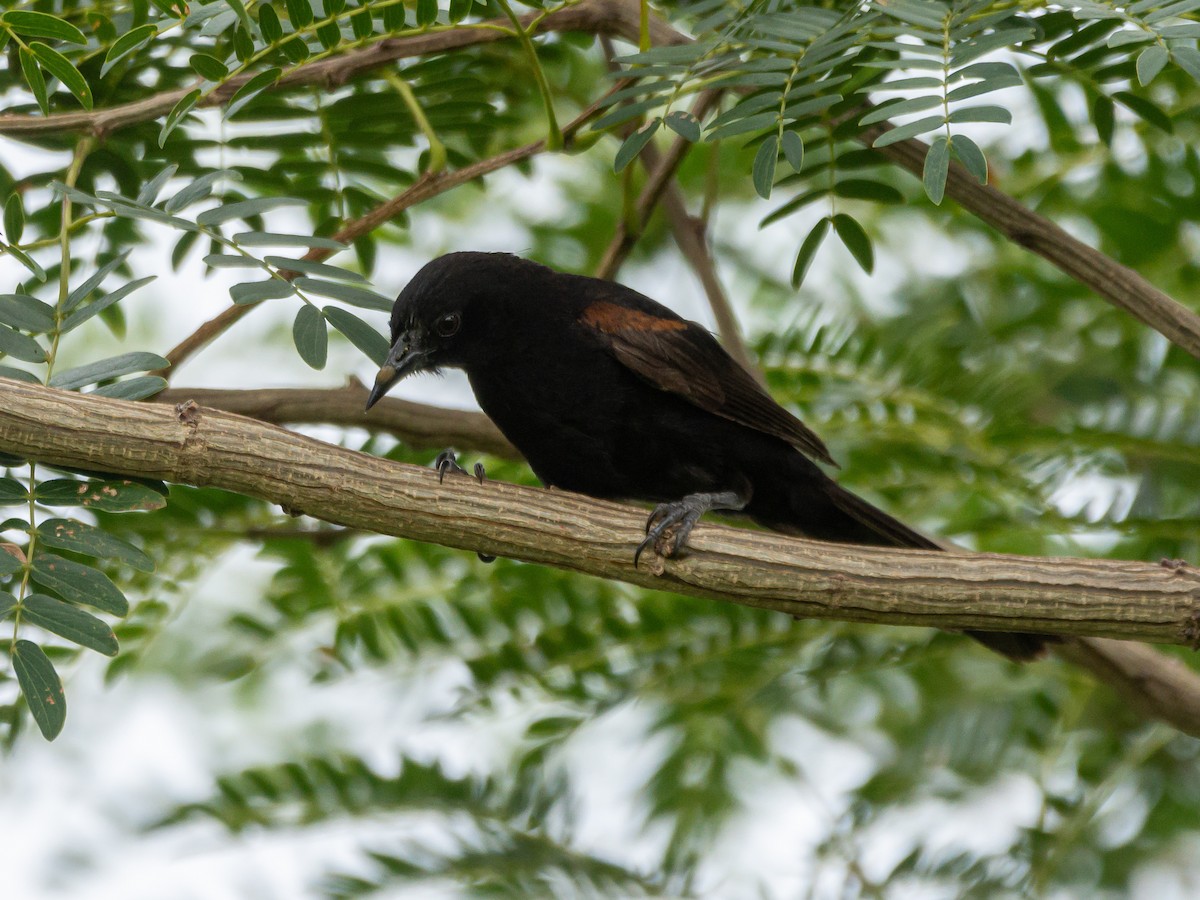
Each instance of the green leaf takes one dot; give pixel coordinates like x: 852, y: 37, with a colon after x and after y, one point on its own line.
x: 270, y: 239
x: 198, y: 189
x: 763, y: 170
x: 808, y: 250
x: 311, y: 336
x: 900, y: 107
x: 347, y: 293
x: 296, y: 50
x: 393, y: 18
x: 82, y: 291
x: 971, y: 157
x: 1146, y: 109
x: 110, y: 496
x: 26, y: 313
x: 62, y: 69
x: 257, y: 291
x: 252, y: 89
x: 309, y: 267
x: 937, y: 167
x: 793, y: 150
x: 18, y: 375
x: 684, y: 124
x: 300, y: 12
x: 981, y: 114
x: 138, y: 388
x: 12, y: 492
x: 1188, y: 59
x: 28, y: 262
x: 427, y: 11
x: 69, y: 622
x: 855, y: 237
x: 20, y: 346
x: 867, y: 189
x: 10, y: 561
x: 1150, y: 62
x: 231, y: 261
x: 268, y: 22
x: 363, y: 26
x: 14, y: 219
x: 41, y: 687
x: 78, y: 583
x: 79, y: 316
x: 792, y: 205
x: 67, y: 534
x: 209, y: 67
x: 329, y: 34
x: 36, y: 24
x: 126, y: 44
x: 113, y: 367
x: 373, y: 344
x: 633, y: 145
x: 34, y: 78
x: 149, y: 192
x: 908, y: 130
x: 175, y: 116
x: 244, y: 209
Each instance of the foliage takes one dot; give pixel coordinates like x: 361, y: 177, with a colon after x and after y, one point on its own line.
x: 979, y: 394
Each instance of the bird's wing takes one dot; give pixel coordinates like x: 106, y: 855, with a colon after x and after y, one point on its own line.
x: 679, y: 356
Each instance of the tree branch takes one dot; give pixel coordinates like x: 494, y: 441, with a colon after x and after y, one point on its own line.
x: 593, y: 16
x: 1156, y: 685
x: 417, y: 425
x: 660, y: 169
x: 1119, y: 285
x: 201, y: 446
x: 429, y: 185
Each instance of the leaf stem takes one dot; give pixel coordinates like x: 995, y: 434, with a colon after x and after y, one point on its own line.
x: 554, y: 140
x: 437, y: 150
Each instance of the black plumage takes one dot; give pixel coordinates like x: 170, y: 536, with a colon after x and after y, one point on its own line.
x: 608, y: 393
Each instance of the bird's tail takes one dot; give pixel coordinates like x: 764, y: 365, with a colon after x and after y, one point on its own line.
x: 822, y: 509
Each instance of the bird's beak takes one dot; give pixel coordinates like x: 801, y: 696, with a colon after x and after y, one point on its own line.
x: 404, y: 359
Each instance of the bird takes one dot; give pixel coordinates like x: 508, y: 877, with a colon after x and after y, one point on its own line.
x: 608, y: 393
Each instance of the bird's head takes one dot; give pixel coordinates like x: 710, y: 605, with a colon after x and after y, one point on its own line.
x: 440, y: 318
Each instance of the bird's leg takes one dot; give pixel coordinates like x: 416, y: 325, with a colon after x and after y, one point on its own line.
x: 669, y: 525
x: 447, y: 462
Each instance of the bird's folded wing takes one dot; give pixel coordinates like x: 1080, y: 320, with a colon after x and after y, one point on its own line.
x: 679, y: 356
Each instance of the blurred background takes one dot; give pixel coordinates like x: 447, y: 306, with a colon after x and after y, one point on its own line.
x: 301, y: 711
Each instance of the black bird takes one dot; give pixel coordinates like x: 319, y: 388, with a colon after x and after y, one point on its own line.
x: 608, y: 393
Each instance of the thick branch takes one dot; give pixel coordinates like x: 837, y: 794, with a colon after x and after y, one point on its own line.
x: 417, y: 425
x: 201, y: 446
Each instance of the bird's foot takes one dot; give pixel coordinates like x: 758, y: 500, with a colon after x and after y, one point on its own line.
x: 669, y: 525
x: 447, y: 462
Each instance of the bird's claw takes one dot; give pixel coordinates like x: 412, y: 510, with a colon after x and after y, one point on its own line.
x: 668, y: 528
x: 447, y: 462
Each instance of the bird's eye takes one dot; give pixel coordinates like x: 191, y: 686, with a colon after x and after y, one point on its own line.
x: 447, y: 326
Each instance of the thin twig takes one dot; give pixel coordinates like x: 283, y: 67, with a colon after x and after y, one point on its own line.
x: 1119, y: 285
x: 591, y: 16
x: 429, y: 185
x: 661, y: 169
